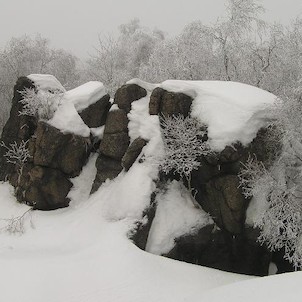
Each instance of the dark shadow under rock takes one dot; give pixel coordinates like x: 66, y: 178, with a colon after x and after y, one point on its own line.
x: 217, y: 249
x: 139, y: 236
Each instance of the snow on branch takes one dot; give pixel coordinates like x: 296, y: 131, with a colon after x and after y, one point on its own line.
x: 16, y: 154
x: 184, y: 142
x: 278, y: 192
x: 15, y: 225
x: 41, y: 104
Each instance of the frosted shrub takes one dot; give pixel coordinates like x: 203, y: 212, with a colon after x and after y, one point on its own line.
x: 41, y: 104
x: 278, y: 190
x: 17, y: 154
x: 281, y: 223
x: 183, y: 140
x: 15, y: 225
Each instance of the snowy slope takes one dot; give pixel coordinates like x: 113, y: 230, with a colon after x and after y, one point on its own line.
x: 82, y: 254
x: 278, y: 288
x: 175, y: 216
x: 77, y: 255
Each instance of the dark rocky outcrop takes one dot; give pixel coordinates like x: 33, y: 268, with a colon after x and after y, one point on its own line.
x: 95, y: 115
x: 166, y: 103
x: 107, y: 168
x: 133, y: 152
x: 116, y: 140
x: 117, y: 121
x: 221, y: 198
x: 115, y: 145
x: 232, y: 246
x: 128, y: 93
x: 42, y: 187
x: 65, y: 152
x: 43, y: 181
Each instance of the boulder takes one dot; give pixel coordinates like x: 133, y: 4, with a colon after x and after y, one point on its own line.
x: 168, y: 103
x: 133, y: 152
x: 54, y: 149
x: 95, y: 115
x: 217, y: 183
x: 107, y: 168
x: 224, y: 201
x: 231, y: 246
x: 117, y: 121
x: 43, y: 188
x: 116, y: 139
x: 115, y: 145
x: 128, y: 93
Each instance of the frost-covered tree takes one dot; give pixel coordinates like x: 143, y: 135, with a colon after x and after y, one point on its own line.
x: 41, y: 104
x: 189, y: 56
x: 118, y: 59
x: 184, y: 141
x: 17, y: 154
x: 277, y: 190
x: 203, y: 52
x: 25, y: 55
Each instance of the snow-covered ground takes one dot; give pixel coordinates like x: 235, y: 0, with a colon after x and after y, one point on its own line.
x: 82, y: 254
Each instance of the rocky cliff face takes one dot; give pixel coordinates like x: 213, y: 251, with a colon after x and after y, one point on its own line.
x: 55, y: 157
x: 114, y: 152
x: 229, y: 244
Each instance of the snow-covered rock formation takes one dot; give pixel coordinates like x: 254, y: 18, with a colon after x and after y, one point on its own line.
x: 58, y: 147
x: 126, y: 136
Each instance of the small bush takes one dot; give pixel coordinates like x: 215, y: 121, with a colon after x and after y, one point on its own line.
x: 41, y: 104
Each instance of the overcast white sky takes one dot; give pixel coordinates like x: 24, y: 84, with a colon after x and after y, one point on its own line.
x: 75, y: 24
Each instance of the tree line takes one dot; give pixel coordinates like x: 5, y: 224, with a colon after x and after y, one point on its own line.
x: 239, y: 46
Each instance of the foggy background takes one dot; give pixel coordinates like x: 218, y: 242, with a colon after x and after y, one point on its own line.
x: 75, y: 25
